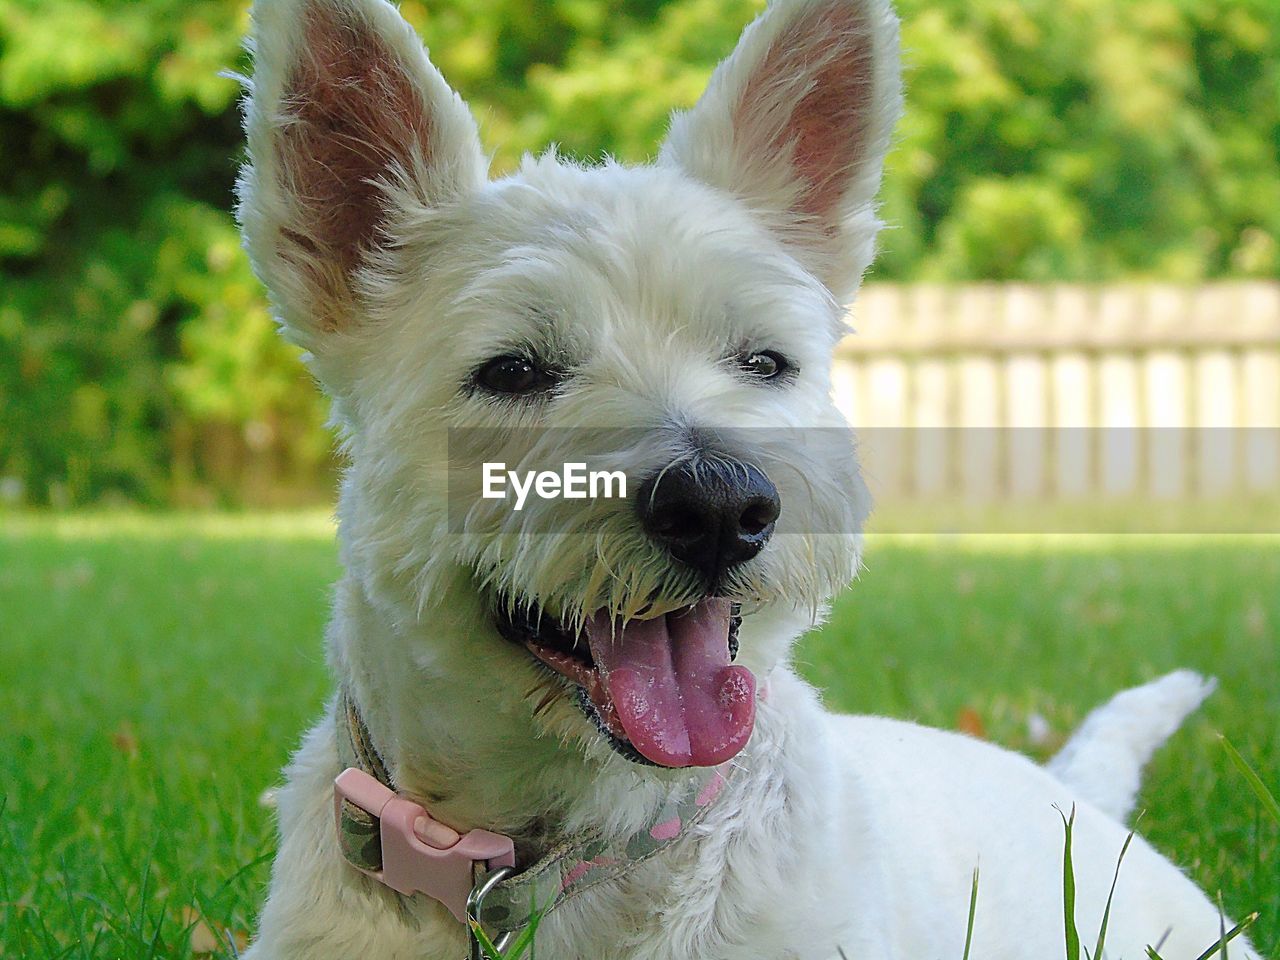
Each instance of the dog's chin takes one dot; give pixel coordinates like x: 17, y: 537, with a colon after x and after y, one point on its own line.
x: 663, y: 691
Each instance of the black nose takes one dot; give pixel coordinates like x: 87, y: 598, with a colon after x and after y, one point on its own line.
x: 709, y: 513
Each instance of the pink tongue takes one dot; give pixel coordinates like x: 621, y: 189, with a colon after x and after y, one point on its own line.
x: 671, y: 686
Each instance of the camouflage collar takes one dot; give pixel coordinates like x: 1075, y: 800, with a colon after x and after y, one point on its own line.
x: 571, y: 867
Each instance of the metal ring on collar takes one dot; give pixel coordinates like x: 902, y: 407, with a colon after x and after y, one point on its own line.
x: 474, y: 901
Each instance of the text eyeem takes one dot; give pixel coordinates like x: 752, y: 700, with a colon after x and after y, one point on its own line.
x: 573, y: 482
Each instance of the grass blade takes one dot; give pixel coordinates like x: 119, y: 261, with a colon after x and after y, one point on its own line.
x: 1106, y: 913
x: 523, y: 943
x: 1221, y: 945
x: 1069, y: 888
x: 973, y: 911
x: 485, y: 943
x: 1264, y: 795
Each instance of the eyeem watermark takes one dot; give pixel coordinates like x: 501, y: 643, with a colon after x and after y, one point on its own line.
x: 573, y: 482
x: 922, y: 479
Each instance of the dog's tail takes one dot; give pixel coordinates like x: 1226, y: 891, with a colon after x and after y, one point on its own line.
x: 1103, y: 760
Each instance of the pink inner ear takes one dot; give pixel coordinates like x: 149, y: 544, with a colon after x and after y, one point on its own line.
x: 819, y: 74
x: 353, y: 111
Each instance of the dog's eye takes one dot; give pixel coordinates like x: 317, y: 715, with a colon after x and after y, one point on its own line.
x: 765, y: 365
x: 514, y: 375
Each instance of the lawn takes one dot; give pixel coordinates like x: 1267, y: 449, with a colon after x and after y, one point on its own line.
x: 159, y: 669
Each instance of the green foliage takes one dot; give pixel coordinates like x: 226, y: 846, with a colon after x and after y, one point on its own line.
x: 1266, y: 798
x: 1087, y: 140
x: 1044, y: 139
x: 127, y: 309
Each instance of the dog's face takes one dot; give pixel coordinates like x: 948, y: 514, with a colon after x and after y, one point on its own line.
x: 673, y: 323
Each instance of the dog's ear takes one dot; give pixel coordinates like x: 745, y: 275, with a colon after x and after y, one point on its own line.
x: 796, y: 123
x: 348, y: 123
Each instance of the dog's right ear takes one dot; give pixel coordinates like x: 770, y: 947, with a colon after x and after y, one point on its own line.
x: 796, y: 123
x: 348, y: 123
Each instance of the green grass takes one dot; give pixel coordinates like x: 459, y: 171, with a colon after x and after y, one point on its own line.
x: 158, y: 670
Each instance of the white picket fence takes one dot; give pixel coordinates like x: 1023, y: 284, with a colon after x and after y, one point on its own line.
x: 1051, y: 392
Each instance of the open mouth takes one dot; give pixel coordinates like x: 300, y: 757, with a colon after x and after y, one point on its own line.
x: 664, y: 690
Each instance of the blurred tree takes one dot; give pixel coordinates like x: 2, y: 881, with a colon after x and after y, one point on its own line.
x: 127, y: 307
x: 1044, y: 139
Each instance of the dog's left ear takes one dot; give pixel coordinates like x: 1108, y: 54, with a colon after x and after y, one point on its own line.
x: 350, y: 127
x: 796, y: 124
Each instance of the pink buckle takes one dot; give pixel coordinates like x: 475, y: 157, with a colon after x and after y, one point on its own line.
x: 410, y: 866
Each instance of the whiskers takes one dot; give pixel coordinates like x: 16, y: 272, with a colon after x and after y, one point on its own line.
x: 546, y: 692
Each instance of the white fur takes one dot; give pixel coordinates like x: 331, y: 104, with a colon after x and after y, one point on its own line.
x: 838, y: 833
x: 1105, y: 757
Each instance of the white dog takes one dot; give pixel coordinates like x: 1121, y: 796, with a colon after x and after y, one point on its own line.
x: 606, y: 681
